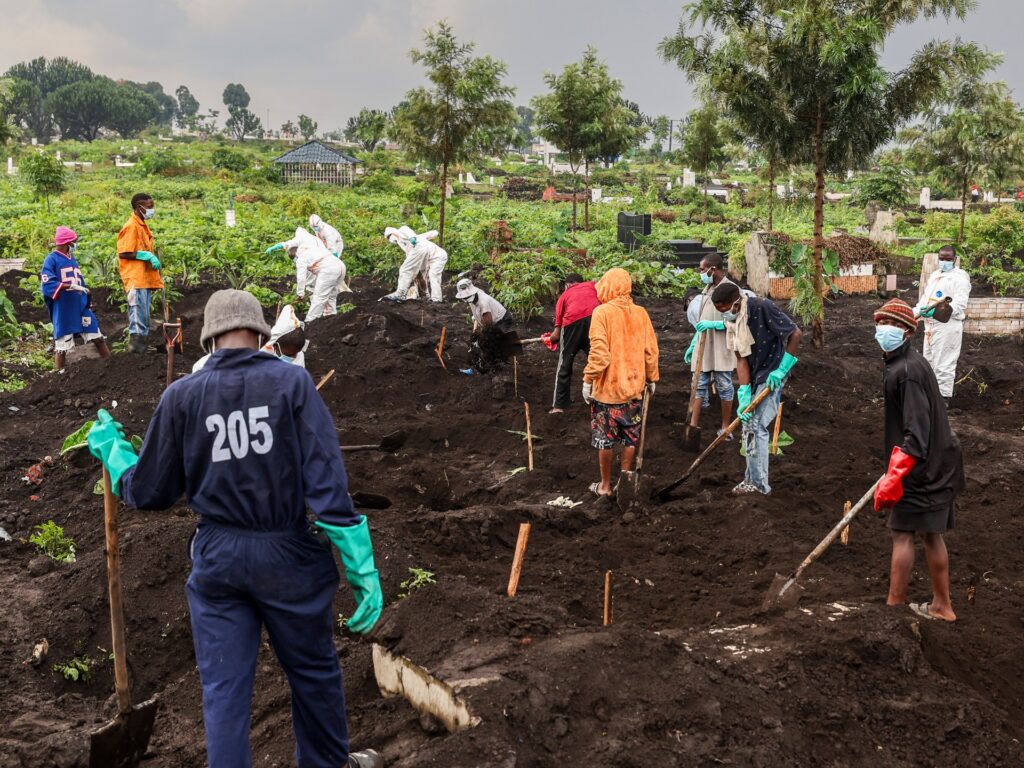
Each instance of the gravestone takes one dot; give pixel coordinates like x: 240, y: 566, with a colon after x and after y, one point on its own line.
x: 926, y: 198
x: 689, y: 178
x: 883, y: 231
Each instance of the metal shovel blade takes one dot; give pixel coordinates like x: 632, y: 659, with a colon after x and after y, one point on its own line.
x: 783, y: 593
x: 392, y: 442
x: 123, y: 741
x: 366, y: 500
x: 691, y: 439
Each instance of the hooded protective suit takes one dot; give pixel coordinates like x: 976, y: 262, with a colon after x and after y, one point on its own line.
x: 286, y: 322
x: 331, y: 238
x: 422, y: 257
x: 623, y: 348
x: 328, y: 271
x: 942, y: 340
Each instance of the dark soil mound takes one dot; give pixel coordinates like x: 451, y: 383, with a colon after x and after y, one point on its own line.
x: 690, y: 672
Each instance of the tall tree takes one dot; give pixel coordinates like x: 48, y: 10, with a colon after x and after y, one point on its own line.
x: 465, y: 113
x: 8, y: 130
x: 36, y: 81
x: 167, y: 105
x: 242, y: 122
x: 823, y: 58
x: 307, y: 127
x: 236, y: 96
x: 974, y: 135
x: 289, y: 128
x: 368, y: 128
x: 132, y: 110
x: 524, y: 129
x: 704, y: 144
x: 188, y: 108
x: 81, y: 109
x: 620, y: 128
x: 660, y: 127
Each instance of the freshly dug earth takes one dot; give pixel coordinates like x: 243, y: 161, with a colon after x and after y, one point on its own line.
x: 689, y: 673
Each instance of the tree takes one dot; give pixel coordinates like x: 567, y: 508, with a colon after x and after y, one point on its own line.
x: 703, y: 144
x: 235, y: 95
x: 207, y: 124
x: 132, y: 110
x: 465, y: 114
x: 524, y: 130
x: 45, y: 174
x: 307, y: 127
x: 660, y: 127
x: 289, y: 128
x: 81, y: 109
x: 974, y: 135
x: 368, y: 128
x: 821, y: 60
x: 167, y: 105
x: 188, y: 108
x: 621, y: 127
x: 8, y: 130
x: 241, y: 123
x: 36, y: 81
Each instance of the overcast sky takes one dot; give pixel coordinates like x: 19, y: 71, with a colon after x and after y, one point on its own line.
x: 328, y: 58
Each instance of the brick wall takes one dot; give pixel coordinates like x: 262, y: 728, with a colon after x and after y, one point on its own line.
x: 782, y: 287
x: 999, y: 317
x: 8, y: 265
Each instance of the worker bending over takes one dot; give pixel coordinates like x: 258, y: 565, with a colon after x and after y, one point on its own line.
x: 68, y: 300
x: 251, y: 445
x: 718, y: 361
x: 311, y: 257
x: 623, y: 361
x: 925, y: 471
x: 331, y: 238
x: 486, y: 310
x: 942, y: 340
x: 423, y: 258
x: 573, y: 311
x: 765, y: 342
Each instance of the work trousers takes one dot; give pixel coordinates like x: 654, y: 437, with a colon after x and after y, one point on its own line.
x: 283, y: 580
x: 139, y: 302
x: 757, y: 439
x: 433, y: 271
x: 942, y: 343
x: 324, y: 300
x: 574, y: 338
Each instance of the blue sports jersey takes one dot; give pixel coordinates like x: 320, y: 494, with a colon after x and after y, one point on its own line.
x: 250, y: 444
x: 69, y: 310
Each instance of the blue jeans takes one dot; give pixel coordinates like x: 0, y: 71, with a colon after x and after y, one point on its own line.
x: 283, y: 580
x: 757, y: 439
x: 723, y: 381
x: 139, y: 300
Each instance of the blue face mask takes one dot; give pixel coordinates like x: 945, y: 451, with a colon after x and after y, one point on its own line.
x: 706, y: 278
x: 729, y: 315
x: 889, y: 337
x: 150, y: 213
x: 946, y: 266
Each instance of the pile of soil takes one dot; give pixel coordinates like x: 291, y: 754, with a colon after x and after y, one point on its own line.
x: 689, y: 673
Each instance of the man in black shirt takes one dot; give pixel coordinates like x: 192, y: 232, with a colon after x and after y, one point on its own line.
x: 925, y: 471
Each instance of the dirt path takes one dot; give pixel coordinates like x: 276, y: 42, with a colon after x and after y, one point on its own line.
x: 690, y: 673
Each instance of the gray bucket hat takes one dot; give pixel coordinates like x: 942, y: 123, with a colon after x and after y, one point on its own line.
x: 231, y: 310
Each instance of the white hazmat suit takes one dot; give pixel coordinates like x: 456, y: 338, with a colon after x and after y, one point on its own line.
x: 331, y: 238
x: 313, y: 258
x: 422, y: 257
x: 942, y: 340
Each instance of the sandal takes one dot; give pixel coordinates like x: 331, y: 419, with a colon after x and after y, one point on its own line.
x: 727, y: 439
x: 594, y: 489
x: 746, y: 488
x: 923, y: 610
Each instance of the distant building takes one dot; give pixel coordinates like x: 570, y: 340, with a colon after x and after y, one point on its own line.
x: 317, y: 162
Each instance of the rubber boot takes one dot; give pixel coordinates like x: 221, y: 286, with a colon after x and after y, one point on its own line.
x: 366, y: 758
x: 137, y: 344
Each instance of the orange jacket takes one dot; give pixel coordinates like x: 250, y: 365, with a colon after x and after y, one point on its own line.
x: 623, y: 348
x: 135, y: 236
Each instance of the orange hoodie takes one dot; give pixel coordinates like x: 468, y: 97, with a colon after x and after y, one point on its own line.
x: 623, y: 348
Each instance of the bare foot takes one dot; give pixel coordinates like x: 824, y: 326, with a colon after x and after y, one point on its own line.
x: 930, y: 611
x: 556, y: 410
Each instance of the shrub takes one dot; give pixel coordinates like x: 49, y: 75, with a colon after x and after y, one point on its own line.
x: 50, y: 539
x: 230, y: 160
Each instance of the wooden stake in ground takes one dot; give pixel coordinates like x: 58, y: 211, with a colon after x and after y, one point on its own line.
x: 607, y: 598
x: 775, y: 437
x: 440, y: 347
x: 517, y: 559
x: 515, y: 375
x: 529, y: 438
x: 325, y: 379
x: 844, y: 537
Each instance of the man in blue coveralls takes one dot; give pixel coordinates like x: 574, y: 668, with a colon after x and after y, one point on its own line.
x: 250, y: 443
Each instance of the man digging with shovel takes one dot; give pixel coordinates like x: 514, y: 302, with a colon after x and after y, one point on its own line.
x: 251, y: 444
x: 623, y: 362
x: 925, y: 470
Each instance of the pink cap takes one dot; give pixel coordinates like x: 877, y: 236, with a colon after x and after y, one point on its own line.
x: 64, y: 235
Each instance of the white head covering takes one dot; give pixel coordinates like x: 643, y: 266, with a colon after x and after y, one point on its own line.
x: 315, y: 221
x: 465, y: 288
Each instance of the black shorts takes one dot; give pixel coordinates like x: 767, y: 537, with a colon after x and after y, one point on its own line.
x: 611, y: 424
x: 938, y: 519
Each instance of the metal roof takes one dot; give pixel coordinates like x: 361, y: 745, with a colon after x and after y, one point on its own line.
x: 315, y: 152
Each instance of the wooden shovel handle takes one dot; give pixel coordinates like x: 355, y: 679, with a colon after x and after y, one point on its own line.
x: 110, y: 502
x: 643, y: 429
x: 695, y: 381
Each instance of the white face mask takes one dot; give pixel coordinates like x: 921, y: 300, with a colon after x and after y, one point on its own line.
x: 149, y: 213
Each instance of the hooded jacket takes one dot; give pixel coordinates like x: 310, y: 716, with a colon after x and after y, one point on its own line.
x: 623, y: 348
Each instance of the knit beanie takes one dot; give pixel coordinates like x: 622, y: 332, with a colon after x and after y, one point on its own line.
x: 899, y: 312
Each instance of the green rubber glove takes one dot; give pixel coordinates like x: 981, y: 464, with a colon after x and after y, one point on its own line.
x: 107, y: 443
x: 744, y: 395
x: 776, y: 377
x: 353, y: 542
x: 154, y: 262
x: 689, y: 352
x: 929, y: 312
x: 710, y: 325
x: 274, y: 248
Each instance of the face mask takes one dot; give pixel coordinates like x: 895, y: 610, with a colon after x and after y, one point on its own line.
x: 706, y: 278
x: 149, y: 213
x: 889, y: 337
x: 71, y: 250
x: 731, y: 314
x: 946, y: 266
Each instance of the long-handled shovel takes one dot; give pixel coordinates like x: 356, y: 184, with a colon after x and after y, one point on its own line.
x: 123, y: 741
x: 388, y: 444
x: 628, y: 491
x: 691, y: 438
x: 781, y: 592
x: 664, y: 493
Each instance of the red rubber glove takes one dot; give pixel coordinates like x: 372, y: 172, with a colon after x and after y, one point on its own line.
x: 890, y: 490
x: 546, y: 338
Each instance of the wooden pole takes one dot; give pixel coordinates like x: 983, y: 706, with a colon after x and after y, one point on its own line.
x: 529, y: 438
x: 844, y: 537
x: 440, y: 347
x: 607, y: 598
x: 325, y: 379
x: 515, y: 374
x: 775, y: 437
x: 517, y: 559
x: 110, y: 502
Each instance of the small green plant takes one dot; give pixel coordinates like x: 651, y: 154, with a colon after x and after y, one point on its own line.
x: 77, y: 669
x: 419, y: 578
x: 51, y: 540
